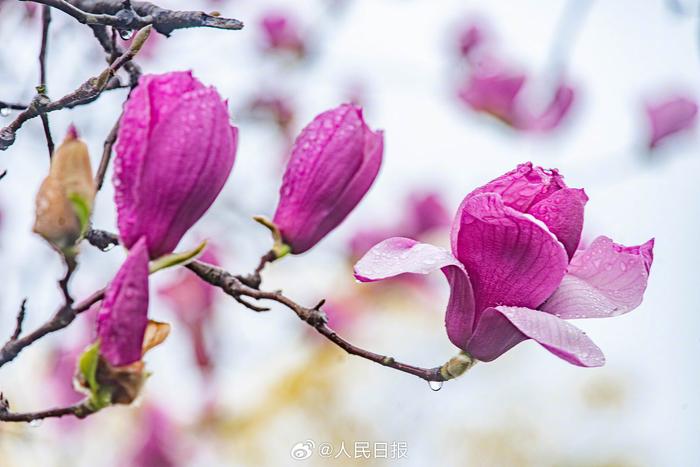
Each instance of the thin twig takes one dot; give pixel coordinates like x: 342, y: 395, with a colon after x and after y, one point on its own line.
x: 141, y: 14
x: 312, y: 316
x: 11, y: 106
x: 106, y: 155
x: 62, y: 318
x: 86, y: 93
x: 20, y: 319
x: 42, y: 88
x: 113, y: 50
x: 80, y: 410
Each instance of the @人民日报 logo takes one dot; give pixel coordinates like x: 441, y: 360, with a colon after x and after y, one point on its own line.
x: 302, y: 450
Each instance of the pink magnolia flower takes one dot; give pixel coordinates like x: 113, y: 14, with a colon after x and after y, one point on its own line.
x: 514, y: 270
x: 122, y: 320
x: 334, y: 162
x: 175, y: 150
x: 281, y: 33
x: 494, y: 90
x: 192, y: 300
x: 669, y: 117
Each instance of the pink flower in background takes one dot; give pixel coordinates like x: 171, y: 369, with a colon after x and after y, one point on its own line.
x: 175, y: 150
x: 423, y: 213
x: 470, y: 37
x: 192, y: 300
x: 494, y: 90
x: 122, y: 320
x: 515, y: 272
x: 281, y: 33
x: 333, y: 164
x: 669, y: 117
x: 159, y: 442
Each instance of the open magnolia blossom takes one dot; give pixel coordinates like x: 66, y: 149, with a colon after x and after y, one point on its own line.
x: 515, y: 272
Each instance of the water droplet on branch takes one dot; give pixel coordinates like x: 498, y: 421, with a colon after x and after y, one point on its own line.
x: 435, y: 385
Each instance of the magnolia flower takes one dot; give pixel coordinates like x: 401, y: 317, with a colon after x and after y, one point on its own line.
x: 497, y: 91
x: 669, y: 117
x: 175, y: 150
x: 281, y: 33
x: 515, y: 272
x: 123, y: 318
x: 334, y: 162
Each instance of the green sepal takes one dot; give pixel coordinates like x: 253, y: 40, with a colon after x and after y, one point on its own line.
x: 88, y: 362
x: 279, y: 248
x: 82, y: 209
x: 176, y: 259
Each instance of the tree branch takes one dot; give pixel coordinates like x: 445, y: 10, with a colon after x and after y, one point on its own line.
x: 81, y: 410
x: 86, y: 93
x: 314, y: 317
x: 141, y: 14
x: 62, y: 318
x: 42, y: 88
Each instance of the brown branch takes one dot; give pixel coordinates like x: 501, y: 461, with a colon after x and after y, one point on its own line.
x: 11, y: 106
x: 81, y: 410
x: 139, y: 15
x: 86, y: 93
x: 62, y: 318
x: 106, y: 155
x: 20, y: 319
x: 314, y: 317
x: 42, y: 88
x: 236, y: 288
x: 113, y: 50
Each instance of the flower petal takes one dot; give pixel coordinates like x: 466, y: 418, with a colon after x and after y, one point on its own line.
x: 562, y: 211
x: 501, y: 328
x: 400, y: 255
x: 511, y: 258
x: 603, y: 280
x: 524, y: 186
x: 123, y: 318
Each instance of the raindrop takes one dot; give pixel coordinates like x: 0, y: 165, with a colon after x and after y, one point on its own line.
x: 5, y: 111
x: 435, y: 385
x: 109, y: 247
x: 35, y: 423
x: 126, y: 34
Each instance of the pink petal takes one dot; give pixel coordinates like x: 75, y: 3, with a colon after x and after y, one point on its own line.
x: 524, y: 186
x: 553, y: 115
x: 122, y: 320
x: 669, y: 117
x: 400, y: 255
x: 603, y: 280
x: 501, y: 328
x: 511, y: 258
x: 562, y: 212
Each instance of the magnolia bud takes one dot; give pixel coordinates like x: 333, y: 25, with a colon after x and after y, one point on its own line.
x: 64, y: 201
